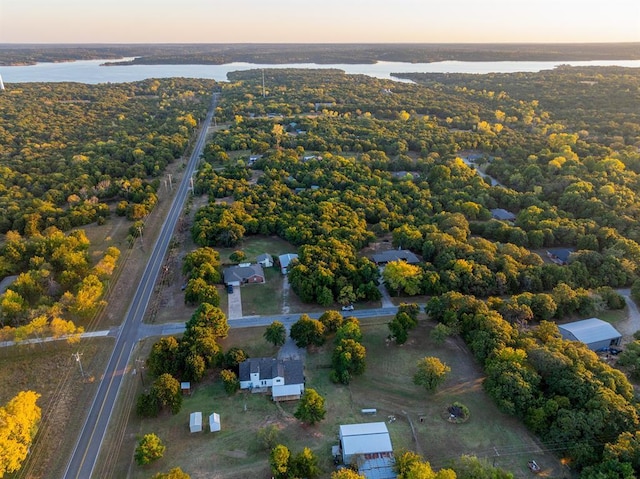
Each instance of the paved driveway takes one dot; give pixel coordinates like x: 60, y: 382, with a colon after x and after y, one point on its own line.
x: 235, y: 304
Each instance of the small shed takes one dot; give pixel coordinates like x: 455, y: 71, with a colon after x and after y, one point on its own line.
x: 214, y: 422
x: 595, y: 333
x: 195, y: 422
x: 185, y: 387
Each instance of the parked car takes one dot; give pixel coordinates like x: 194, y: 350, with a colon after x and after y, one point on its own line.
x: 229, y: 288
x: 348, y: 307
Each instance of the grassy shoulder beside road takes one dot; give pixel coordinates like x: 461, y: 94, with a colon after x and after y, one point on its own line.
x: 54, y: 373
x: 416, y: 420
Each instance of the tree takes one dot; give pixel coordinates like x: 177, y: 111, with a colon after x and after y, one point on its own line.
x: 307, y: 331
x: 276, y: 333
x: 147, y: 405
x: 431, y: 373
x: 440, y: 333
x: 402, y: 276
x: 237, y: 256
x: 19, y: 420
x: 346, y: 474
x: 311, y: 407
x: 331, y: 320
x: 279, y: 461
x: 212, y: 317
x: 175, y: 473
x: 168, y: 393
x: 305, y: 464
x: 269, y: 436
x: 230, y: 380
x: 347, y: 360
x: 349, y: 330
x: 164, y: 356
x: 149, y: 449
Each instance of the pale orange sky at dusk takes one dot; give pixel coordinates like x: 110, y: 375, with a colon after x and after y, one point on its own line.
x: 330, y: 21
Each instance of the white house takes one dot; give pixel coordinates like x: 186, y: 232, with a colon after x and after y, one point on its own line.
x: 265, y: 260
x: 284, y: 378
x: 214, y: 422
x: 195, y: 422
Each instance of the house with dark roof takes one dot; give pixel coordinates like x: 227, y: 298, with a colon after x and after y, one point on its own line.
x: 595, y: 333
x: 560, y: 255
x: 502, y: 215
x: 244, y: 273
x: 395, y: 255
x: 284, y: 378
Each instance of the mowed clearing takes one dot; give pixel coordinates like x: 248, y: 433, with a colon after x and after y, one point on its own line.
x: 416, y: 420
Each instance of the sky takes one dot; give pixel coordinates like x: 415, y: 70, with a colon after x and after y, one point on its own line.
x: 324, y: 21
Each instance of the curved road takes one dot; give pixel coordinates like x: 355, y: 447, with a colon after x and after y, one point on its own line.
x: 85, y: 453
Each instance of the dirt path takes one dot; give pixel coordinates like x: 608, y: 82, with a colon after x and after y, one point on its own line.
x: 285, y: 295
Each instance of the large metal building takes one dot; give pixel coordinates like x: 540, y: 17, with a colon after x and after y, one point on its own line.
x: 368, y: 446
x: 595, y: 333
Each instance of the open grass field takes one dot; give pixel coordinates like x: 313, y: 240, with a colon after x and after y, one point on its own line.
x: 420, y: 419
x: 53, y: 373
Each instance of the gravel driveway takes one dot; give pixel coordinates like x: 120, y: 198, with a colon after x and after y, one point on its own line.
x: 632, y: 323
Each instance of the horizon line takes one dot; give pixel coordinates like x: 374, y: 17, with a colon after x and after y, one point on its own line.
x: 323, y: 43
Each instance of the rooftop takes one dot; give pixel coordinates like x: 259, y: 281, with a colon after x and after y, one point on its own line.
x: 590, y: 330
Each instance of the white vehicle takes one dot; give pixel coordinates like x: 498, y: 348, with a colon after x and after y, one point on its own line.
x: 349, y: 307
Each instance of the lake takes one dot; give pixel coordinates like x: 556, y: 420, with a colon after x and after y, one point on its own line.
x: 90, y: 71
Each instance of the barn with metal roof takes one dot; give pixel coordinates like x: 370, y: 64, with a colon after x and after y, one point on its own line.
x: 368, y: 446
x: 595, y: 333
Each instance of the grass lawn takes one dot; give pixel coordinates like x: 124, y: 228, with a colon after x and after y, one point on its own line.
x: 420, y: 418
x: 263, y: 298
x: 254, y: 246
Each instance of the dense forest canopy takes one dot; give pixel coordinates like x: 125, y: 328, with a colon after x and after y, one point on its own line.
x: 218, y: 54
x: 67, y: 150
x: 71, y: 155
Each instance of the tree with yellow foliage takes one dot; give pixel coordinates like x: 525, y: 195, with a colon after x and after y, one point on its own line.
x: 19, y: 421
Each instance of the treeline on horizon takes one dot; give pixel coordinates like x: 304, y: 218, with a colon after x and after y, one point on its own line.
x: 321, y: 53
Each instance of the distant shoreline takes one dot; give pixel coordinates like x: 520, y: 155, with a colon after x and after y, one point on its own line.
x: 321, y: 54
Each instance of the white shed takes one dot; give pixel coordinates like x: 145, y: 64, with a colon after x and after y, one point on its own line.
x: 195, y: 422
x: 214, y: 422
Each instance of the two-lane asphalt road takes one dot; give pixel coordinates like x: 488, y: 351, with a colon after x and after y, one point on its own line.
x: 85, y: 454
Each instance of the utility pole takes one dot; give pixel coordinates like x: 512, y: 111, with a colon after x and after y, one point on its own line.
x: 77, y: 358
x: 170, y: 182
x: 140, y: 234
x: 191, y: 184
x: 496, y: 456
x: 140, y: 367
